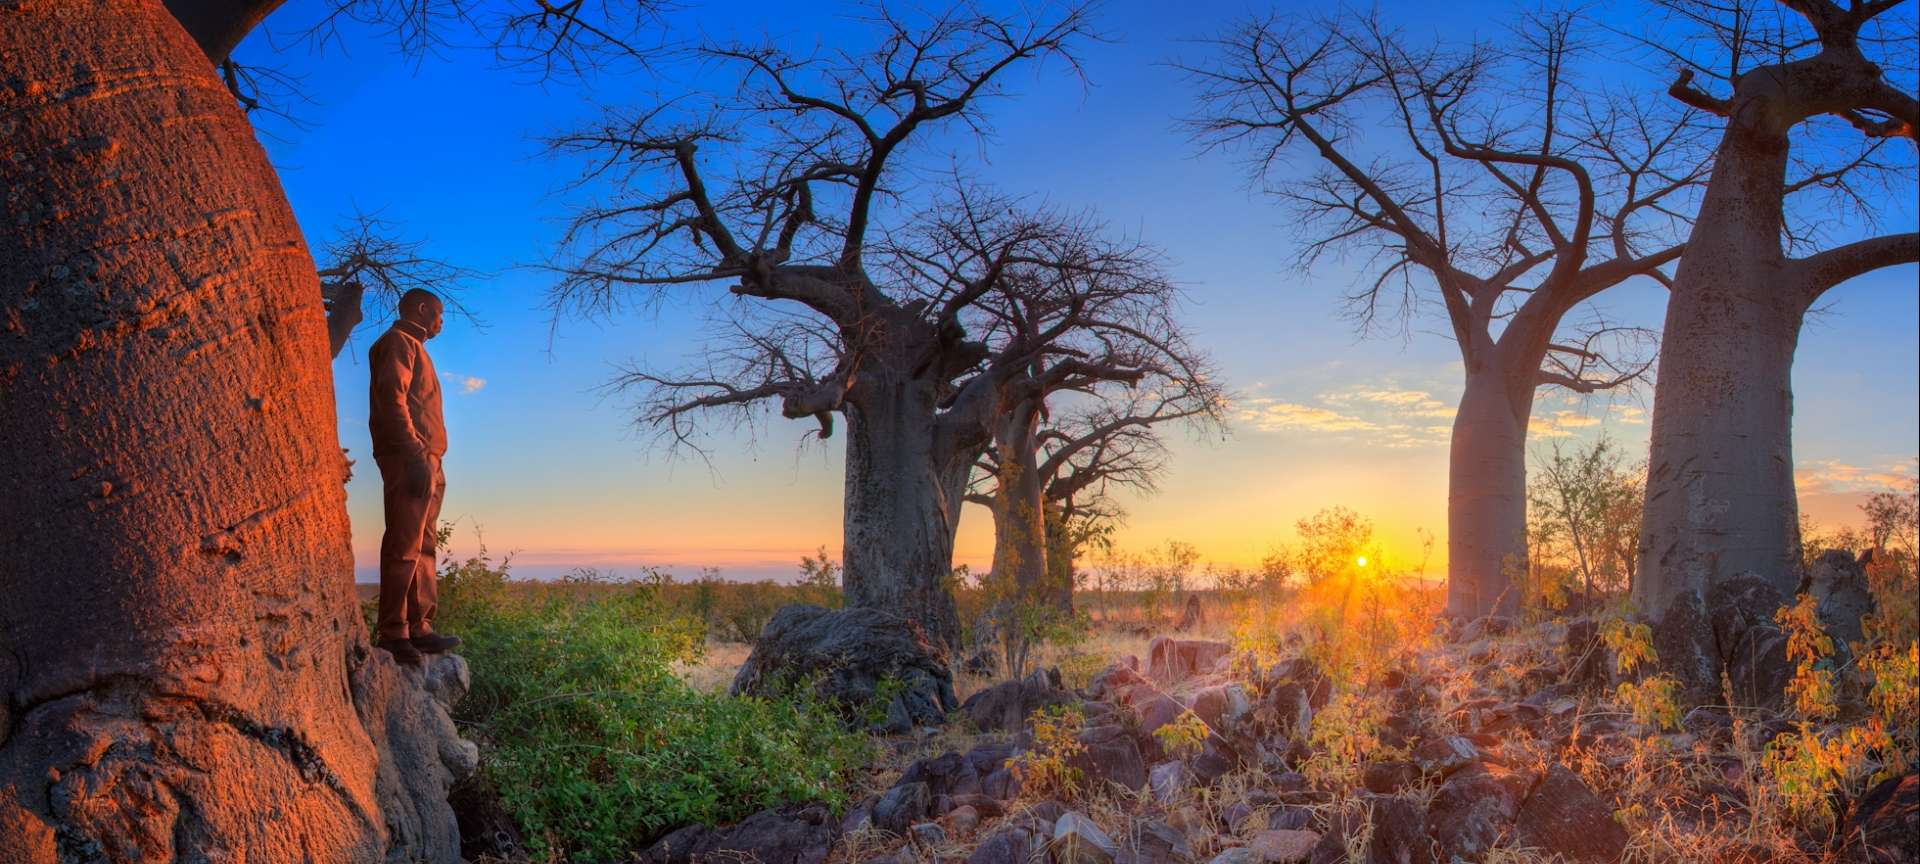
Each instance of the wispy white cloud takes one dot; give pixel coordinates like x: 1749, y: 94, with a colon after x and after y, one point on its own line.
x: 466, y: 383
x: 1272, y: 415
x: 1411, y: 403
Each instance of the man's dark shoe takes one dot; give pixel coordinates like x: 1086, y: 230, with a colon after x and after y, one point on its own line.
x: 435, y: 643
x: 402, y: 650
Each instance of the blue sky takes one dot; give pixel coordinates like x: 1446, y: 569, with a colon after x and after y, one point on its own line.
x: 548, y: 465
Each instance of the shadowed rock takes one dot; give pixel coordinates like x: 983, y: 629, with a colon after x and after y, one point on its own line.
x: 1886, y: 820
x: 1005, y: 707
x: 1170, y: 661
x: 1563, y: 816
x: 844, y: 655
x: 790, y: 835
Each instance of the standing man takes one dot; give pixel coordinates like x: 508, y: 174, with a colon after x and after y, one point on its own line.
x: 409, y: 438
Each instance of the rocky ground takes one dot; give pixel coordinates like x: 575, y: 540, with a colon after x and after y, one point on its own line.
x: 1495, y: 744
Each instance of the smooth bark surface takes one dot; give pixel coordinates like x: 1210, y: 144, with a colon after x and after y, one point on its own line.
x: 176, y: 599
x: 1487, y: 495
x: 1720, y: 496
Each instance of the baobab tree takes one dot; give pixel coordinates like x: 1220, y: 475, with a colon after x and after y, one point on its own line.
x: 1064, y: 463
x: 1073, y: 315
x: 1803, y: 108
x: 1486, y: 181
x: 179, y: 639
x: 834, y: 318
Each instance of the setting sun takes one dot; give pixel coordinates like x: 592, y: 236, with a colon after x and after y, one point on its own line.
x: 1360, y: 561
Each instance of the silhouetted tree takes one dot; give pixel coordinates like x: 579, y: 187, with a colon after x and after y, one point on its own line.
x: 179, y: 638
x: 1067, y: 463
x: 1806, y: 109
x: 1489, y: 178
x: 847, y: 308
x: 369, y: 258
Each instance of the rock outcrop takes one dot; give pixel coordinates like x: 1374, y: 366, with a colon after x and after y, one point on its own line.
x: 844, y: 655
x: 407, y: 713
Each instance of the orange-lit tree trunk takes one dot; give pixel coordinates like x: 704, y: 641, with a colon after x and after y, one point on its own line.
x: 176, y: 611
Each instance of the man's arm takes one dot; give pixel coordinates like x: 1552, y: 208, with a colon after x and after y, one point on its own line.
x: 393, y: 363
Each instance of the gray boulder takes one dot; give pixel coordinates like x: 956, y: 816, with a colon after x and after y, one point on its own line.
x: 791, y: 835
x: 844, y: 655
x: 405, y: 710
x: 1005, y: 707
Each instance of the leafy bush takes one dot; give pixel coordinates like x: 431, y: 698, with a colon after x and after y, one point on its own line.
x: 593, y: 743
x: 1044, y: 769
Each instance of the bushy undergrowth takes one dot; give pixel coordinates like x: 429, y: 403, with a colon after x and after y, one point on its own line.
x: 592, y: 742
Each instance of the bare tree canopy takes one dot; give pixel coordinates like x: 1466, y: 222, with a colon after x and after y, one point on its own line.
x: 369, y: 261
x: 798, y: 189
x: 1509, y: 188
x: 1812, y: 98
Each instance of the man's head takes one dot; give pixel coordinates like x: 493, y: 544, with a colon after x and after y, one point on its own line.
x: 422, y: 309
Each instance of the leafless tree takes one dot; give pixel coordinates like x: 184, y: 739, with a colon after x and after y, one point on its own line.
x: 1811, y: 97
x: 850, y: 302
x: 1066, y: 462
x: 1488, y: 177
x: 370, y: 262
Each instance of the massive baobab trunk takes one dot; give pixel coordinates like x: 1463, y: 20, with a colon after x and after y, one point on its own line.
x: 1720, y: 497
x: 899, y: 519
x: 176, y: 599
x: 1487, y: 493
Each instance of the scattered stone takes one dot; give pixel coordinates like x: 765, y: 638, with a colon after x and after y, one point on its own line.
x: 1076, y: 840
x: 1289, y: 818
x: 1005, y: 707
x: 1564, y: 816
x: 947, y: 774
x: 1237, y: 855
x: 1399, y: 834
x: 1222, y: 706
x: 860, y: 816
x: 927, y: 835
x: 1887, y: 820
x: 1110, y: 756
x: 1439, y: 757
x: 847, y: 653
x: 1170, y: 661
x: 421, y: 755
x: 1283, y: 846
x: 1170, y: 781
x: 1387, y: 778
x: 1838, y: 584
x: 793, y: 835
x: 1009, y: 845
x: 964, y: 819
x: 901, y: 806
x: 1158, y: 710
x: 1474, y: 809
x: 1156, y: 841
x: 1215, y: 760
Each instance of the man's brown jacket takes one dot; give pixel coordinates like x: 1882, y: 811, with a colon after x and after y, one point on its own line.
x: 405, y: 415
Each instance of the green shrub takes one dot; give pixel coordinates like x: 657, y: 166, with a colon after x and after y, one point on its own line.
x: 593, y: 743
